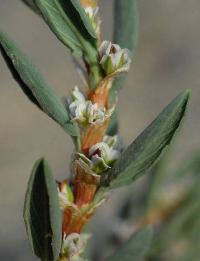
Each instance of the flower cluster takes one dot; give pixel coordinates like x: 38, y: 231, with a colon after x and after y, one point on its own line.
x: 102, y: 155
x: 96, y: 152
x: 85, y: 112
x: 113, y: 59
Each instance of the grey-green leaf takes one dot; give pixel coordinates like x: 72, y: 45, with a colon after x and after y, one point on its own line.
x: 146, y: 149
x: 77, y: 5
x: 126, y: 24
x: 57, y: 23
x: 33, y: 84
x: 32, y: 5
x: 135, y: 248
x: 113, y: 127
x: 42, y: 215
x: 67, y: 24
x: 84, y: 18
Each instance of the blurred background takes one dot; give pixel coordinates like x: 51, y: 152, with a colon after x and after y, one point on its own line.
x: 167, y: 61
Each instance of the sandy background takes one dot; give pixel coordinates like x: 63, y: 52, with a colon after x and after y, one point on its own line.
x: 167, y: 61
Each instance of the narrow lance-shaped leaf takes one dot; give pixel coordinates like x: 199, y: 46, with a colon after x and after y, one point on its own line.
x: 33, y: 84
x: 126, y: 23
x: 69, y: 23
x: 32, y: 5
x: 113, y: 127
x: 68, y: 20
x: 146, y: 149
x: 84, y: 18
x: 58, y: 25
x: 135, y: 248
x: 42, y: 215
x: 86, y: 22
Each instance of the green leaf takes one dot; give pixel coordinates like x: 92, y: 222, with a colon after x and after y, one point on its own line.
x: 52, y: 13
x: 146, y: 149
x: 135, y: 248
x: 32, y: 5
x: 113, y: 127
x: 42, y: 215
x: 58, y: 24
x: 126, y: 23
x: 67, y: 24
x: 68, y: 20
x: 85, y: 20
x: 33, y: 84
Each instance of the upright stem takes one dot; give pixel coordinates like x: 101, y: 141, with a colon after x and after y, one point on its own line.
x: 94, y: 76
x: 93, y: 66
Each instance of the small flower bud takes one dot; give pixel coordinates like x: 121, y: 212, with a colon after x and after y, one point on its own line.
x: 77, y: 95
x: 113, y: 59
x: 93, y: 15
x: 65, y: 194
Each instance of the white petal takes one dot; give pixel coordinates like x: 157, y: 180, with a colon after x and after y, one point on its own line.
x: 117, y: 47
x: 99, y: 164
x: 111, y: 140
x: 104, y: 48
x: 73, y: 244
x: 89, y: 11
x: 85, y: 159
x: 78, y: 95
x: 113, y: 155
x: 116, y: 57
x: 101, y: 146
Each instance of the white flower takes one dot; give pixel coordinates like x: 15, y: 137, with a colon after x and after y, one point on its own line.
x: 113, y: 142
x: 77, y: 95
x: 102, y: 152
x: 84, y: 111
x: 95, y: 113
x: 93, y: 14
x: 78, y: 111
x: 102, y: 155
x: 74, y: 244
x: 65, y: 195
x: 113, y: 59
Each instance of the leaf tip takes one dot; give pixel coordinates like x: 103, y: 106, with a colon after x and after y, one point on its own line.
x: 188, y: 93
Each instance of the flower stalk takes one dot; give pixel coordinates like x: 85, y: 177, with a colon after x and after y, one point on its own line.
x: 96, y: 152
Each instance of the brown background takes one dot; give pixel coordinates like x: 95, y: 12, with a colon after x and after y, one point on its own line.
x: 167, y: 61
